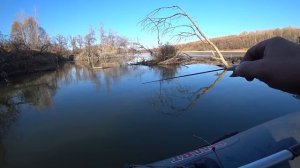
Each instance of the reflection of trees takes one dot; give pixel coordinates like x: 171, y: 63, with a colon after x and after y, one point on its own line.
x: 166, y: 71
x: 8, y: 111
x: 12, y: 97
x: 180, y: 99
x: 109, y: 74
x: 38, y: 90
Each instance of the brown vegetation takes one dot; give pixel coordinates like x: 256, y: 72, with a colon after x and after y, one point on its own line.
x: 24, y: 62
x: 109, y: 45
x: 29, y: 48
x: 175, y: 21
x: 244, y: 40
x: 240, y: 42
x: 165, y: 52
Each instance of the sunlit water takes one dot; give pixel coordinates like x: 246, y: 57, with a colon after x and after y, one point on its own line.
x: 78, y: 117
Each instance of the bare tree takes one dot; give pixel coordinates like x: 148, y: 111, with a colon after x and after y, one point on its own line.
x: 73, y: 41
x: 140, y: 46
x: 3, y: 43
x: 61, y: 44
x: 17, y: 37
x: 111, y: 37
x: 89, y: 40
x: 27, y: 34
x: 102, y: 41
x: 79, y: 41
x: 31, y: 29
x: 121, y: 43
x: 43, y: 40
x: 102, y: 35
x: 172, y: 22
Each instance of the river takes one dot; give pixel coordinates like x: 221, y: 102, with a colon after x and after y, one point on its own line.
x: 79, y: 117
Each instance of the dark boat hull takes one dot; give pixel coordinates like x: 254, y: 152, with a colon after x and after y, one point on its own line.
x: 243, y: 148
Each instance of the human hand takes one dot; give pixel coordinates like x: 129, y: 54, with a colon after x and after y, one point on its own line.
x: 275, y: 61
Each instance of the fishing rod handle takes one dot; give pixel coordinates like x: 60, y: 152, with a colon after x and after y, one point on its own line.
x: 295, y: 150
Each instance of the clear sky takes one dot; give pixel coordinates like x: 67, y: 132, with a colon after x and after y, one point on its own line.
x: 215, y: 17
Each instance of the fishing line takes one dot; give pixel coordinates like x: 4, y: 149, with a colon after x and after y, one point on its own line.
x: 198, y: 73
x: 212, y: 148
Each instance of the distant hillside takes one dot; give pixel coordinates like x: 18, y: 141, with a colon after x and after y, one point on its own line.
x: 244, y: 40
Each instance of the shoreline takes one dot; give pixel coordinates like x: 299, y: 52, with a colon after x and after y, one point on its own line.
x: 28, y: 62
x: 231, y: 60
x: 222, y: 51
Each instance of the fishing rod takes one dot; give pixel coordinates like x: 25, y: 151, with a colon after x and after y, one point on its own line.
x: 232, y: 68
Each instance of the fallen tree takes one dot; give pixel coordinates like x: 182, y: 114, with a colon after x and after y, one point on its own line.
x: 175, y: 20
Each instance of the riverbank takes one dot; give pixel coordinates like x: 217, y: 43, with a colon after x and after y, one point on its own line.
x: 197, y: 57
x: 222, y: 51
x: 25, y: 62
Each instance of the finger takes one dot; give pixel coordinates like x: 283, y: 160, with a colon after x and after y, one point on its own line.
x: 251, y: 70
x: 256, y: 52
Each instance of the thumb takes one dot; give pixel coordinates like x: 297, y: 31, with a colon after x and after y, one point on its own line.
x: 250, y: 69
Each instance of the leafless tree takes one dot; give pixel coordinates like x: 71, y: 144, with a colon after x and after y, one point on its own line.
x: 121, y: 43
x: 31, y: 29
x: 111, y: 37
x: 102, y: 35
x: 102, y: 38
x: 61, y: 44
x: 43, y: 41
x: 140, y: 46
x: 79, y: 41
x: 17, y: 37
x: 180, y: 24
x: 3, y: 43
x: 89, y: 40
x: 27, y: 34
x: 73, y: 41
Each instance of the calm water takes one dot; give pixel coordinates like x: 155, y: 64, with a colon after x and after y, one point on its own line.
x: 77, y: 117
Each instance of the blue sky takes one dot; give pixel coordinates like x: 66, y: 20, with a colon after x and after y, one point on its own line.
x: 215, y: 17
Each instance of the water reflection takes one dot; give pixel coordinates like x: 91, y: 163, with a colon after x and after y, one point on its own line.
x: 39, y: 90
x: 166, y: 71
x: 80, y: 116
x: 169, y: 100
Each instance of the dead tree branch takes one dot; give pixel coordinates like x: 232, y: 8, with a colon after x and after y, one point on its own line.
x: 140, y: 46
x: 174, y: 20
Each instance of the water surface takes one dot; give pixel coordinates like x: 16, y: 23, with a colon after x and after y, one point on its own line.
x: 79, y: 117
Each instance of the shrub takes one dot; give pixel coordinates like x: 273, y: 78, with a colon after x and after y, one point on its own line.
x: 165, y: 52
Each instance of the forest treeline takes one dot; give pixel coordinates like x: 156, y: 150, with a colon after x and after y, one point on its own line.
x: 244, y: 40
x: 26, y: 34
x: 29, y: 48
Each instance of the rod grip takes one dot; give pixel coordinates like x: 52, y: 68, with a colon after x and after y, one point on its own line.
x: 295, y: 149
